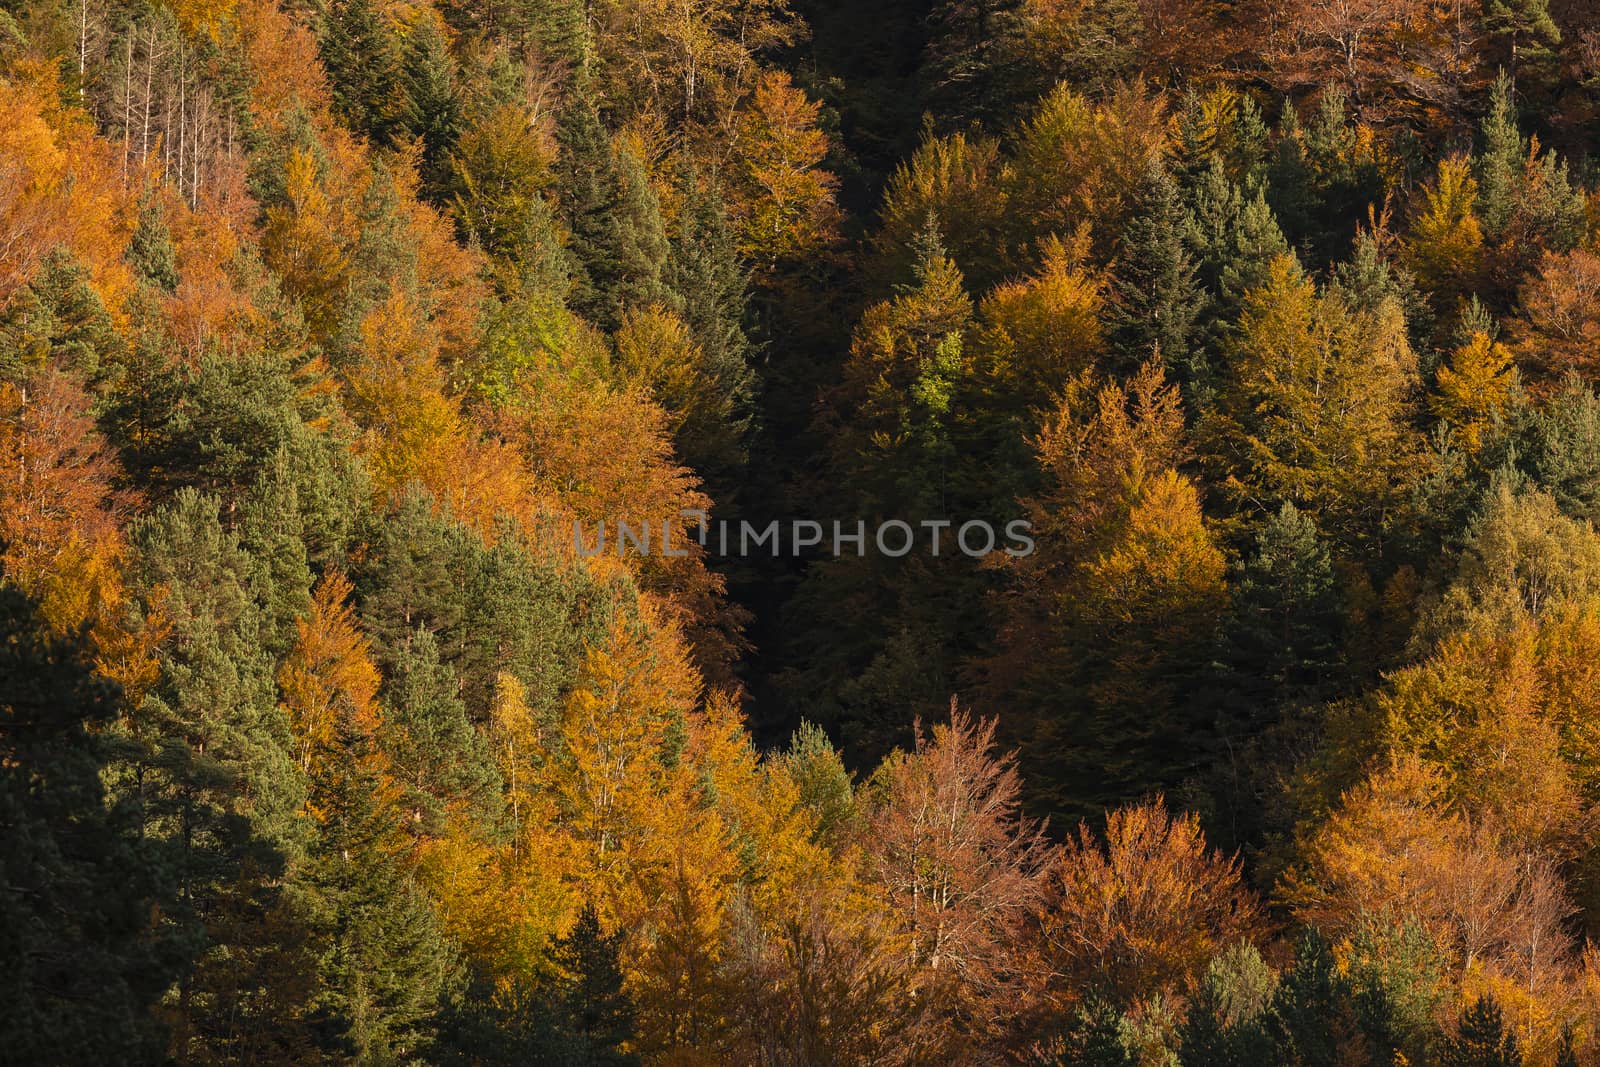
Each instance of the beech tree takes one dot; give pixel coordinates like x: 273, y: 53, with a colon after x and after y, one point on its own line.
x: 961, y: 865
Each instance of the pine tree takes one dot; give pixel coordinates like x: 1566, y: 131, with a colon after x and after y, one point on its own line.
x: 59, y: 321
x: 415, y: 575
x: 1095, y: 1037
x: 1481, y: 1039
x: 439, y: 756
x: 1253, y: 243
x: 524, y: 618
x: 1285, y: 633
x: 273, y: 533
x: 1561, y: 449
x: 1524, y: 29
x: 151, y: 251
x: 1157, y: 298
x: 1226, y: 1022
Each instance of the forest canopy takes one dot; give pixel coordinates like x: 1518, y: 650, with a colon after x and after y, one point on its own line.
x: 1274, y: 323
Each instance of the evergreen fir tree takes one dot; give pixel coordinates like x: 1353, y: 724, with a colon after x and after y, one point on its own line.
x: 272, y: 532
x: 416, y: 574
x: 1285, y: 632
x: 1481, y: 1039
x: 589, y: 191
x: 597, y: 1008
x: 1499, y: 164
x: 1158, y: 299
x: 439, y: 756
x: 1306, y: 1021
x: 433, y: 112
x: 1252, y: 245
x: 641, y: 239
x: 384, y: 966
x: 711, y: 289
x: 220, y: 793
x: 1524, y: 30
x: 527, y: 617
x: 364, y: 69
x: 1094, y: 1037
x: 1559, y: 445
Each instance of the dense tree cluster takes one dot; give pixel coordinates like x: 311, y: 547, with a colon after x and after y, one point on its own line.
x: 323, y: 324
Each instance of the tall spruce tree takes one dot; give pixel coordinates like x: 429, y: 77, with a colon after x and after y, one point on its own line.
x: 440, y: 758
x: 220, y: 794
x: 711, y: 288
x: 433, y: 106
x: 150, y: 251
x: 641, y: 240
x: 588, y: 192
x: 1157, y: 297
x: 1481, y: 1039
x: 363, y: 60
x: 384, y: 967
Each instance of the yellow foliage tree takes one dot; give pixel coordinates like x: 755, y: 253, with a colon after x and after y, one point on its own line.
x: 1445, y: 247
x: 58, y: 186
x: 1037, y: 333
x: 328, y: 680
x: 1316, y: 411
x: 304, y: 242
x: 1475, y: 387
x: 783, y: 205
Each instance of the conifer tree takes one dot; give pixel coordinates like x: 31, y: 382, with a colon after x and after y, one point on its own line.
x: 594, y: 1003
x: 151, y: 251
x: 363, y: 59
x: 711, y: 287
x: 1481, y: 1039
x: 1500, y: 161
x: 219, y: 791
x: 433, y: 113
x: 439, y: 757
x: 589, y: 191
x: 384, y: 968
x: 1524, y: 29
x: 1284, y: 637
x: 641, y: 240
x: 1157, y: 299
x: 1309, y: 1019
x: 59, y: 321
